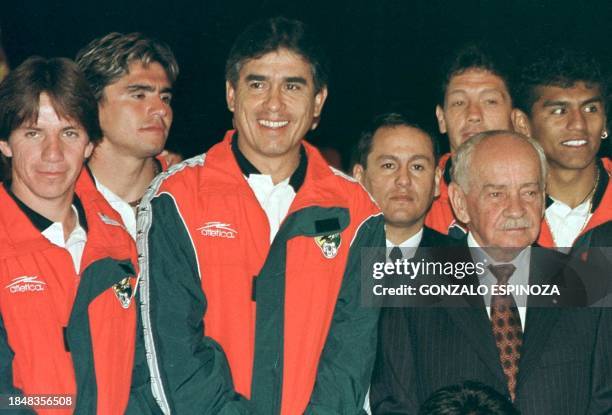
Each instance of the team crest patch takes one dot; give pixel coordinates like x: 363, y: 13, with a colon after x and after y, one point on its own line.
x: 123, y: 291
x: 329, y: 244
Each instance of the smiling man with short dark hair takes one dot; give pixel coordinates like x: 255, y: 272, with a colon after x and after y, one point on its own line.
x: 562, y: 97
x: 266, y: 238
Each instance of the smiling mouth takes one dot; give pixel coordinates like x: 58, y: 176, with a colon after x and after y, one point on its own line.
x: 574, y: 143
x: 272, y: 124
x: 51, y: 173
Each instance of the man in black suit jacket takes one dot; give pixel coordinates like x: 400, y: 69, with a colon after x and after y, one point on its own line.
x: 396, y: 161
x: 564, y: 357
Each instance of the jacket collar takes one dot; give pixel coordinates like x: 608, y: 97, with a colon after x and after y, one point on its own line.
x: 297, y: 177
x: 602, y: 185
x: 41, y: 222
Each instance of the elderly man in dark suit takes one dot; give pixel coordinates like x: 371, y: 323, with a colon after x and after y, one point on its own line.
x: 546, y: 360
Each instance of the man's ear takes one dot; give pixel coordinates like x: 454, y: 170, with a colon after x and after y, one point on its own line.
x: 315, y: 123
x: 458, y: 202
x: 5, y: 148
x: 320, y: 98
x: 437, y: 178
x: 520, y: 122
x: 230, y: 95
x: 358, y: 172
x: 88, y: 150
x: 441, y: 120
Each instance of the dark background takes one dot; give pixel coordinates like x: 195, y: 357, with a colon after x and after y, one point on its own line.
x: 385, y: 54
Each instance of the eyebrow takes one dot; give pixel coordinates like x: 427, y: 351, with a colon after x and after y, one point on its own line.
x: 494, y: 186
x: 253, y: 77
x: 503, y: 186
x: 147, y: 88
x: 35, y: 128
x: 561, y: 103
x: 296, y: 80
x: 411, y: 158
x: 71, y: 127
x: 537, y: 184
x: 291, y: 79
x: 484, y: 91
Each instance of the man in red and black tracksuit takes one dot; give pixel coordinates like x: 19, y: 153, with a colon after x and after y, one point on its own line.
x: 131, y: 76
x: 562, y: 98
x: 68, y: 322
x: 473, y: 98
x: 260, y: 242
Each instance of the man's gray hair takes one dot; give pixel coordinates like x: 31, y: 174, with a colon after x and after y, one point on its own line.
x: 104, y: 60
x: 462, y: 159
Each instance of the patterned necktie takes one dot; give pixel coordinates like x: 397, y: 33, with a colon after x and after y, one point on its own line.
x: 507, y: 330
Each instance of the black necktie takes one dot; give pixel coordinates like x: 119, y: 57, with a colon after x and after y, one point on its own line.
x: 395, y: 254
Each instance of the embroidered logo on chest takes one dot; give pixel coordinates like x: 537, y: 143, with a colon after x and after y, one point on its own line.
x: 329, y: 244
x: 218, y: 230
x: 26, y: 284
x: 123, y: 291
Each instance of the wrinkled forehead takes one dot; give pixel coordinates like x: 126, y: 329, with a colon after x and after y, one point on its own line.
x: 402, y: 141
x: 276, y: 59
x: 46, y: 108
x: 492, y: 166
x: 476, y: 79
x: 579, y: 91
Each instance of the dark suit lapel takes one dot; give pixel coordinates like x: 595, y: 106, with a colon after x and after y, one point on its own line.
x: 473, y: 321
x: 432, y: 238
x: 540, y: 320
x: 537, y: 330
x: 429, y: 238
x: 476, y: 326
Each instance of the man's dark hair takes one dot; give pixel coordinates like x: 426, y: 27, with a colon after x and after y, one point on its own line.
x: 62, y: 81
x: 468, y: 398
x: 104, y: 60
x: 472, y: 56
x: 270, y: 35
x: 362, y: 149
x: 560, y: 67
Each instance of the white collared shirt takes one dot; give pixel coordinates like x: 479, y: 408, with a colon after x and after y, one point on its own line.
x: 566, y: 223
x: 75, y: 244
x: 412, y: 242
x: 519, y: 277
x: 123, y: 208
x: 274, y: 199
